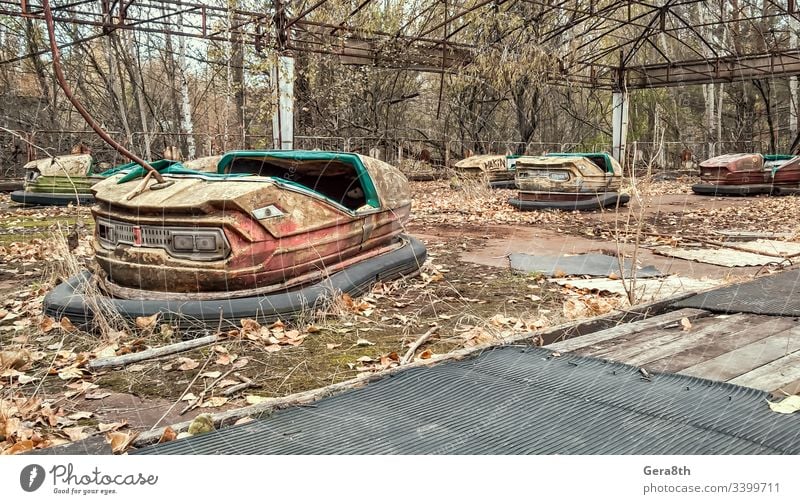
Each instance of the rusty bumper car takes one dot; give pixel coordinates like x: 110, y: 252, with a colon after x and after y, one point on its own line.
x: 566, y: 181
x: 497, y: 170
x: 59, y: 181
x: 745, y: 174
x: 271, y: 234
x: 64, y: 180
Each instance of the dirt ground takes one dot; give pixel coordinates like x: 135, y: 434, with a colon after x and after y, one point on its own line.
x: 465, y: 290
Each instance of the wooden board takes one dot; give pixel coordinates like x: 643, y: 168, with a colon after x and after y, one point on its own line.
x: 656, y: 322
x: 669, y: 343
x: 746, y: 358
x: 772, y: 376
x: 718, y: 339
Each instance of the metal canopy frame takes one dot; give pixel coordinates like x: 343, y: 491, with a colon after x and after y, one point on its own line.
x: 607, y: 44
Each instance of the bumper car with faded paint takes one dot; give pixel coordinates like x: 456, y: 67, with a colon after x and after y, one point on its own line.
x: 498, y: 170
x: 62, y: 180
x: 58, y: 181
x: 739, y: 174
x: 786, y: 177
x: 271, y: 234
x: 567, y: 181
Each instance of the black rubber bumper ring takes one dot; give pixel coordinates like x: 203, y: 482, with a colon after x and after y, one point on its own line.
x: 67, y: 299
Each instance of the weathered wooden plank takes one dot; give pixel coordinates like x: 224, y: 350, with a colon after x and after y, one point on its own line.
x: 652, y: 346
x: 648, y: 339
x: 720, y: 341
x: 656, y: 322
x: 748, y: 357
x: 788, y: 389
x: 711, y: 341
x: 772, y: 376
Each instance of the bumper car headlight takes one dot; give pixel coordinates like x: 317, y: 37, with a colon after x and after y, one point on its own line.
x: 183, y: 242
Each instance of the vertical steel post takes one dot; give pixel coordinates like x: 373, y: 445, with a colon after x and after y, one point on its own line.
x: 619, y: 125
x: 283, y: 84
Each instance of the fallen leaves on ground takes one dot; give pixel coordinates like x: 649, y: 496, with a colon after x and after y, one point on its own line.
x: 272, y: 337
x: 366, y: 365
x: 590, y: 305
x: 30, y: 423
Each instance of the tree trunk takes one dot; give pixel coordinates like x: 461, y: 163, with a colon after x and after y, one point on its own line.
x: 187, y: 125
x: 708, y: 97
x: 764, y: 91
x: 237, y: 77
x: 135, y: 74
x: 115, y: 90
x: 41, y: 74
x: 175, y: 99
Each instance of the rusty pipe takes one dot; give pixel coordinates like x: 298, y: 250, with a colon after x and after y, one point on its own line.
x: 62, y: 82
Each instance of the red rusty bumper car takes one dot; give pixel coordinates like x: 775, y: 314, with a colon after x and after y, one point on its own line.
x: 270, y: 235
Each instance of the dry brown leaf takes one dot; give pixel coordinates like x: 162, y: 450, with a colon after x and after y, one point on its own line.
x: 121, y: 441
x: 788, y: 405
x: 67, y: 325
x: 426, y: 354
x: 364, y: 342
x: 108, y: 427
x: 80, y: 415
x: 106, y: 351
x: 189, y: 397
x: 331, y: 346
x: 244, y: 420
x: 70, y: 373
x: 685, y: 324
x: 147, y: 323
x: 187, y: 364
x: 47, y: 324
x: 211, y: 374
x: 14, y: 359
x: 214, y: 402
x: 19, y: 447
x: 225, y: 359
x: 169, y: 434
x: 75, y: 433
x: 24, y: 379
x: 250, y: 325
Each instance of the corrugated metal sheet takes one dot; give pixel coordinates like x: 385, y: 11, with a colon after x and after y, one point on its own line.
x: 774, y: 247
x: 720, y: 257
x: 517, y: 401
x: 769, y: 295
x: 583, y: 264
x: 647, y: 290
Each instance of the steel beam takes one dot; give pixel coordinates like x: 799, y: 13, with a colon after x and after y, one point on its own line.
x: 724, y: 69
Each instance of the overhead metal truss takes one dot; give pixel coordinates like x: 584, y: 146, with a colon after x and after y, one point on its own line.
x: 598, y: 43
